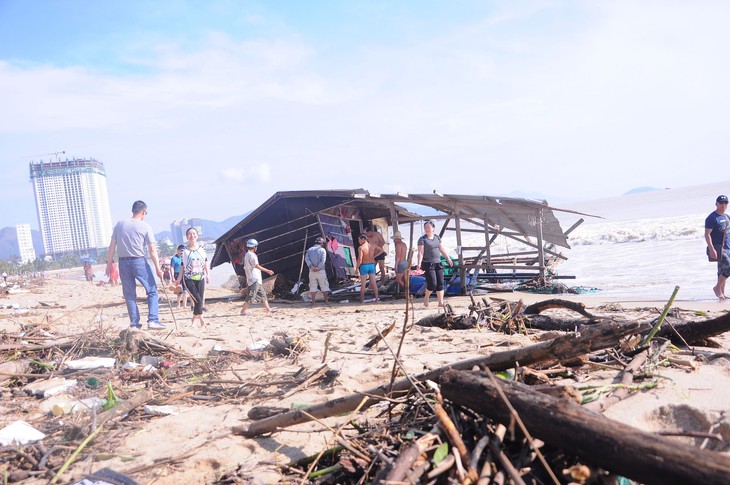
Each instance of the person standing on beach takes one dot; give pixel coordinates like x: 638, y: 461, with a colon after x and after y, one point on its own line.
x: 88, y: 272
x: 175, y: 265
x: 718, y: 243
x: 254, y: 279
x: 114, y: 274
x: 376, y: 241
x: 400, y: 259
x: 430, y: 250
x: 366, y: 266
x: 315, y: 257
x: 194, y: 273
x: 130, y: 238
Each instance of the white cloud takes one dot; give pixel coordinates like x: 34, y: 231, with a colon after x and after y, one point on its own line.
x: 253, y: 174
x: 583, y: 99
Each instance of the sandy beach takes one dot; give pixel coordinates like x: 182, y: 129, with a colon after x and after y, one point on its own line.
x: 196, y: 445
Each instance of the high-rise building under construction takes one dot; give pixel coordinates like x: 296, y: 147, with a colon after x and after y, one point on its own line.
x: 73, y: 205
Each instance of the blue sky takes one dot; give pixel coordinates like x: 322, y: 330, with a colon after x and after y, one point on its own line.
x: 206, y: 109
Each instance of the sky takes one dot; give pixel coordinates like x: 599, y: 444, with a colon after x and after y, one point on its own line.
x: 207, y: 108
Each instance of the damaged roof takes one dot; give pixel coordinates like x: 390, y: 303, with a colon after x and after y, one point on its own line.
x: 287, y: 222
x: 514, y: 214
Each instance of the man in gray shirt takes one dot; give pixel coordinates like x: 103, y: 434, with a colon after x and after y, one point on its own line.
x: 131, y: 237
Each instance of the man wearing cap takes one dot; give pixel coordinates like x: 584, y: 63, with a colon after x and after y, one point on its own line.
x: 718, y: 243
x: 315, y: 258
x: 254, y: 280
x: 175, y: 264
x: 131, y: 237
x: 400, y: 259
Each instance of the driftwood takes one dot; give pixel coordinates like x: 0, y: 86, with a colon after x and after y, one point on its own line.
x: 546, y: 323
x: 626, y: 380
x: 565, y: 347
x: 124, y: 407
x: 398, y: 471
x: 693, y: 332
x: 614, y: 446
x: 539, y: 307
x: 377, y: 338
x: 448, y: 321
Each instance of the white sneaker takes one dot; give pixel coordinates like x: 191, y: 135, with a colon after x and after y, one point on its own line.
x: 156, y: 326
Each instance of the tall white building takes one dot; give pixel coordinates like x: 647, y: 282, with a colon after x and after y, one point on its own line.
x: 73, y: 205
x: 25, y: 243
x: 179, y: 228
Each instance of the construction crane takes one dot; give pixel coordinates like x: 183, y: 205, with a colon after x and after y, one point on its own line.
x: 54, y: 154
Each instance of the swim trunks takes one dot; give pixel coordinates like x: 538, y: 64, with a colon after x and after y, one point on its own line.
x: 402, y: 266
x: 380, y: 257
x: 366, y: 269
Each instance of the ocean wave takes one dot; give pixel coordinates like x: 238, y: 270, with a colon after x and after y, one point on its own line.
x: 666, y: 229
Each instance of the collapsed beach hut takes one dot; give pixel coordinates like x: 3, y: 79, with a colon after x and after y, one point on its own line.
x: 289, y: 222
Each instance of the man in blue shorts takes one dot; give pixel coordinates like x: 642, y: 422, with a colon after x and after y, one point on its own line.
x: 376, y: 241
x: 175, y: 263
x: 718, y: 243
x: 366, y: 266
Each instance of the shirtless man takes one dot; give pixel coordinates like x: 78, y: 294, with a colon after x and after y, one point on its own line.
x: 400, y: 259
x: 366, y: 266
x: 377, y: 241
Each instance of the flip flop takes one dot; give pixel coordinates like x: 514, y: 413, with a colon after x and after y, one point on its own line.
x: 244, y: 314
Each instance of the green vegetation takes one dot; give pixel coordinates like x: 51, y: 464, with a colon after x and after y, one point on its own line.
x: 13, y: 266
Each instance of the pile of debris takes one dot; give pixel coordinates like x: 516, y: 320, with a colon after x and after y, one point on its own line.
x: 74, y: 388
x: 512, y: 415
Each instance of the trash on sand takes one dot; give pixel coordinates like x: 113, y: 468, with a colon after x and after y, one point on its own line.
x: 80, y: 406
x: 19, y: 433
x: 161, y: 410
x: 50, y: 387
x: 91, y: 363
x: 259, y: 345
x: 150, y: 360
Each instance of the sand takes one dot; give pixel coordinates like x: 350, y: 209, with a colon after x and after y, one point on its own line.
x: 687, y: 397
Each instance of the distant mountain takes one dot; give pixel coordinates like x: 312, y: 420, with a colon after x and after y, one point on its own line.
x: 211, y: 229
x: 641, y: 190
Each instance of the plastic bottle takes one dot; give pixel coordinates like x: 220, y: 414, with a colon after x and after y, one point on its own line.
x: 80, y: 406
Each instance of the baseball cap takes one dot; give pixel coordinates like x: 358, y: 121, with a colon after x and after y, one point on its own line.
x: 180, y: 247
x: 721, y: 198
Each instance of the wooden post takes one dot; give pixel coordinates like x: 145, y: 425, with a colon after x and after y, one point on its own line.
x: 540, y: 248
x: 462, y: 272
x: 393, y: 217
x: 487, y: 241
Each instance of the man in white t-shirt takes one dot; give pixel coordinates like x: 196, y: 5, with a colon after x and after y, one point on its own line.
x: 254, y: 279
